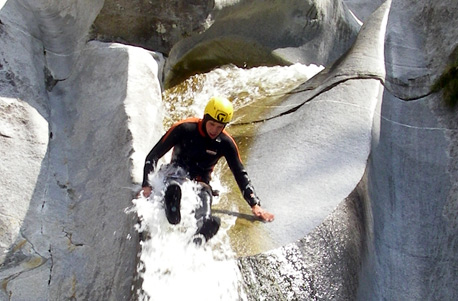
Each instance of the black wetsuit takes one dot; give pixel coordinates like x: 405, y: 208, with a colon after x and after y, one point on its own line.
x: 198, y: 154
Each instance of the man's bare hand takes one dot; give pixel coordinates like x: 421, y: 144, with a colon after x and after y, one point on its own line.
x: 262, y: 214
x: 146, y: 192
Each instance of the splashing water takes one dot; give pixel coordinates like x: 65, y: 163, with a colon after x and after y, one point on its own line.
x: 171, y: 266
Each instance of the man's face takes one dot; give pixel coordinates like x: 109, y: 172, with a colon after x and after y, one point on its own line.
x: 213, y: 128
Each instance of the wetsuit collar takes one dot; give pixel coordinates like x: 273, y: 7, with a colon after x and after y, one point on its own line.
x: 201, y: 127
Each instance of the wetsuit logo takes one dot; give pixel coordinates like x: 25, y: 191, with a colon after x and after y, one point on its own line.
x: 221, y: 116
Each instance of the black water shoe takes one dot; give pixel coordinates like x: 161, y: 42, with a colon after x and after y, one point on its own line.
x: 172, y: 202
x: 209, y: 227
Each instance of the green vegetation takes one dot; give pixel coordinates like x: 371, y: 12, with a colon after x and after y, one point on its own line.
x: 448, y: 82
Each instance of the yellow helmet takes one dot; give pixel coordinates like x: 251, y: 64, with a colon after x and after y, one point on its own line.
x: 220, y: 109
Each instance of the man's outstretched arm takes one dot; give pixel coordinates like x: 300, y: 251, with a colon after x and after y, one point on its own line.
x: 241, y: 176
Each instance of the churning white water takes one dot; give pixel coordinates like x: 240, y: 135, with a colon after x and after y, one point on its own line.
x: 242, y: 86
x: 171, y: 266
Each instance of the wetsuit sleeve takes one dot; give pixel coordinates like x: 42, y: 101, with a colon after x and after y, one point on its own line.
x: 241, y: 176
x: 167, y: 141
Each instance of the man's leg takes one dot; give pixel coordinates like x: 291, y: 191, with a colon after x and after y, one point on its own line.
x: 207, y: 225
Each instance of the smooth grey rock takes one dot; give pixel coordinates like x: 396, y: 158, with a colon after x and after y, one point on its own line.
x: 23, y: 127
x: 408, y: 189
x: 322, y: 137
x: 61, y: 27
x: 76, y: 223
x: 153, y: 24
x: 411, y: 181
x: 254, y: 33
x: 411, y: 196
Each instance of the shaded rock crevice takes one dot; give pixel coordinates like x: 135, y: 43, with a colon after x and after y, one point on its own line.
x: 51, y: 266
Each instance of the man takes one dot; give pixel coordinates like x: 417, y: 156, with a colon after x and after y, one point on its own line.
x: 197, y: 145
